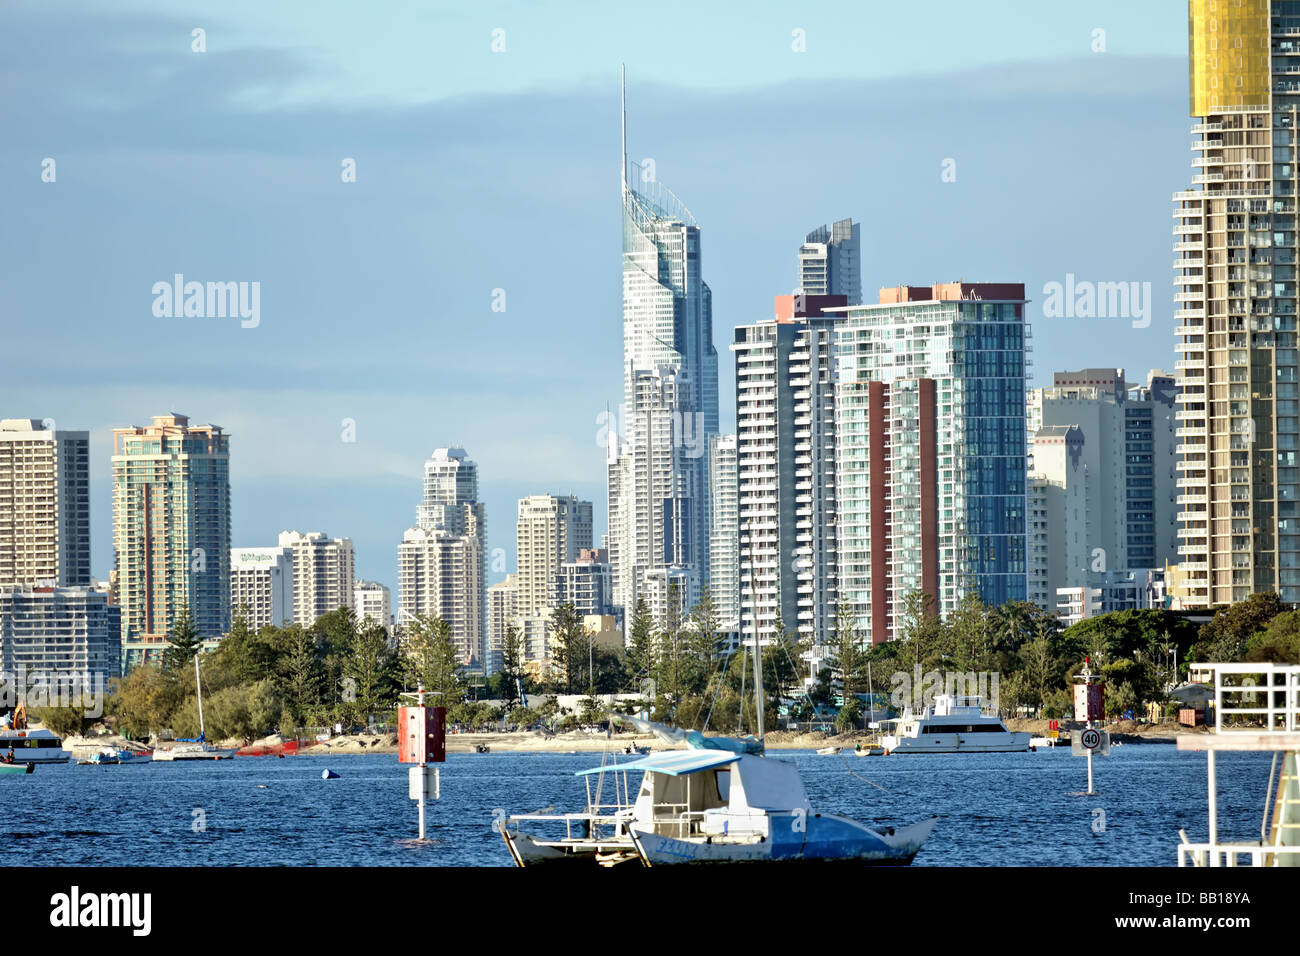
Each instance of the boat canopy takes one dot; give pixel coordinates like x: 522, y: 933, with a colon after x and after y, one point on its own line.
x: 674, y: 763
x: 762, y: 783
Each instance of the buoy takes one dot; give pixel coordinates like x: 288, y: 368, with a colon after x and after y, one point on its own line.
x: 328, y: 775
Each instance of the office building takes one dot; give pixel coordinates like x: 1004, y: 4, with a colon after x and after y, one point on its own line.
x: 261, y: 586
x: 830, y: 262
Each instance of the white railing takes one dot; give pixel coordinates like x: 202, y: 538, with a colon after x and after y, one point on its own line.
x: 1237, y: 704
x: 1228, y: 854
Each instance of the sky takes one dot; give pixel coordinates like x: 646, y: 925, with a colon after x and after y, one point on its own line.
x: 1014, y: 141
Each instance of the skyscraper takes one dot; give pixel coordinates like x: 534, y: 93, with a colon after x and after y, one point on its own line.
x: 785, y: 469
x: 171, y: 526
x: 551, y: 530
x: 830, y: 262
x: 930, y: 450
x: 324, y: 570
x: 44, y: 504
x: 1235, y: 285
x: 724, y: 529
x: 442, y: 569
x: 657, y: 453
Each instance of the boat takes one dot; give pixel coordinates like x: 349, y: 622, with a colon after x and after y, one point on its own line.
x: 31, y: 746
x: 952, y: 725
x: 720, y: 801
x: 197, y: 748
x: 861, y: 751
x: 828, y: 751
x: 16, y: 769
x: 111, y: 755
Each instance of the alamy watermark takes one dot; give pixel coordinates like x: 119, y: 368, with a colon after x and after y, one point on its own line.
x: 53, y: 689
x: 212, y: 300
x: 1082, y: 299
x: 917, y: 691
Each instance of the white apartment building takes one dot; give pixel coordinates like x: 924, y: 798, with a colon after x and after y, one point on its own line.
x: 261, y: 586
x: 440, y: 574
x: 372, y: 603
x: 785, y: 470
x: 1058, y: 505
x: 724, y: 529
x: 44, y: 504
x: 552, y: 530
x: 324, y: 569
x: 57, y: 640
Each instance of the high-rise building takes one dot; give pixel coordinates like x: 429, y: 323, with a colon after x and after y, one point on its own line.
x: 1127, y: 451
x: 585, y: 583
x: 724, y: 530
x: 261, y: 586
x: 58, y: 644
x: 44, y: 504
x: 502, y: 601
x: 1059, y: 491
x: 372, y: 603
x: 551, y: 530
x: 1235, y: 297
x: 450, y: 509
x: 830, y: 262
x: 657, y: 453
x: 785, y: 469
x: 171, y: 526
x: 930, y: 450
x: 440, y: 575
x: 324, y: 570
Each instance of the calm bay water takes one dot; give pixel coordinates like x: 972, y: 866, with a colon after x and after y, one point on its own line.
x: 994, y: 809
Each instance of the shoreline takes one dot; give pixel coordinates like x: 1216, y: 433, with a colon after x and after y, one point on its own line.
x: 578, y: 742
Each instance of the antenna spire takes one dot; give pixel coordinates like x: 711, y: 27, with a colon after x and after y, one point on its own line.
x: 624, y: 129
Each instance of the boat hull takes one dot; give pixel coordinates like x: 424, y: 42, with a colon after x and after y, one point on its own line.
x: 527, y: 850
x: 16, y: 769
x: 1009, y: 742
x: 215, y: 753
x: 792, y: 838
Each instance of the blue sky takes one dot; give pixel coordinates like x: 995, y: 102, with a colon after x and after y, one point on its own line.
x: 479, y: 171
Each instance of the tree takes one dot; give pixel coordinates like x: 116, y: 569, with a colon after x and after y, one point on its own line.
x: 184, y: 643
x: 705, y: 642
x: 512, y: 663
x: 569, y: 640
x: 642, y: 659
x: 1279, y: 642
x: 670, y: 674
x: 849, y: 661
x: 299, y: 677
x: 431, y: 661
x: 1226, y: 635
x: 368, y: 671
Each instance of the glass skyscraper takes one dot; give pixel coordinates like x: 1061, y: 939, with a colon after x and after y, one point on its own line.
x: 930, y: 450
x: 658, y: 451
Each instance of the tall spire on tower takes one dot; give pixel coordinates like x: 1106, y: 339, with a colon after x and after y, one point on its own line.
x: 624, y: 124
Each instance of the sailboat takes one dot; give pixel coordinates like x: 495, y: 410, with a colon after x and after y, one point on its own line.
x: 198, y: 748
x: 719, y: 801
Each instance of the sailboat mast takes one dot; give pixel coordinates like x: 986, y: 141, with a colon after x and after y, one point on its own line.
x: 758, y: 683
x: 198, y: 687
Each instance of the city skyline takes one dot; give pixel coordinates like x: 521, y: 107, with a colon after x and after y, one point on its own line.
x: 279, y: 389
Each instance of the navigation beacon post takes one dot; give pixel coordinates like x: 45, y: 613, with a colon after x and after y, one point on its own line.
x: 1089, y: 705
x: 422, y: 739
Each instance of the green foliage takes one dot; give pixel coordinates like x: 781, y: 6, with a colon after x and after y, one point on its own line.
x: 430, y: 660
x: 1278, y: 642
x: 184, y: 643
x: 64, y: 721
x: 1227, y: 635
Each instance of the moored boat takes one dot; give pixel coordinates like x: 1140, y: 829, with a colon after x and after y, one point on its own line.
x: 16, y: 769
x: 110, y: 755
x: 952, y: 725
x: 32, y: 746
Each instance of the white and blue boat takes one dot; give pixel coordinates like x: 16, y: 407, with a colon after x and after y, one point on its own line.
x: 720, y: 801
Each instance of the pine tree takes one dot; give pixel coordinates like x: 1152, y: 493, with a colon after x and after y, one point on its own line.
x: 641, y: 645
x: 184, y: 643
x: 431, y: 660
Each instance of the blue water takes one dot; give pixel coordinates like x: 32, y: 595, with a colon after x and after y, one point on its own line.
x: 994, y: 809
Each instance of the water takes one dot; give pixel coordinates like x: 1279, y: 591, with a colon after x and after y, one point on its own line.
x: 994, y: 809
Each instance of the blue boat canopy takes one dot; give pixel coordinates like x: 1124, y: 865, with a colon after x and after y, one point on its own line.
x: 674, y: 763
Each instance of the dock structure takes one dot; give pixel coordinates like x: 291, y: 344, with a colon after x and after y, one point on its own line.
x: 1257, y: 708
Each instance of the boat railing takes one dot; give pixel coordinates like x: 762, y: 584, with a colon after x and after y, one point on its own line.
x: 590, y: 821
x: 1229, y: 854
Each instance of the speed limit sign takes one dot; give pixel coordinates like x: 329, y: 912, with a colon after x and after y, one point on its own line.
x: 1090, y: 739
